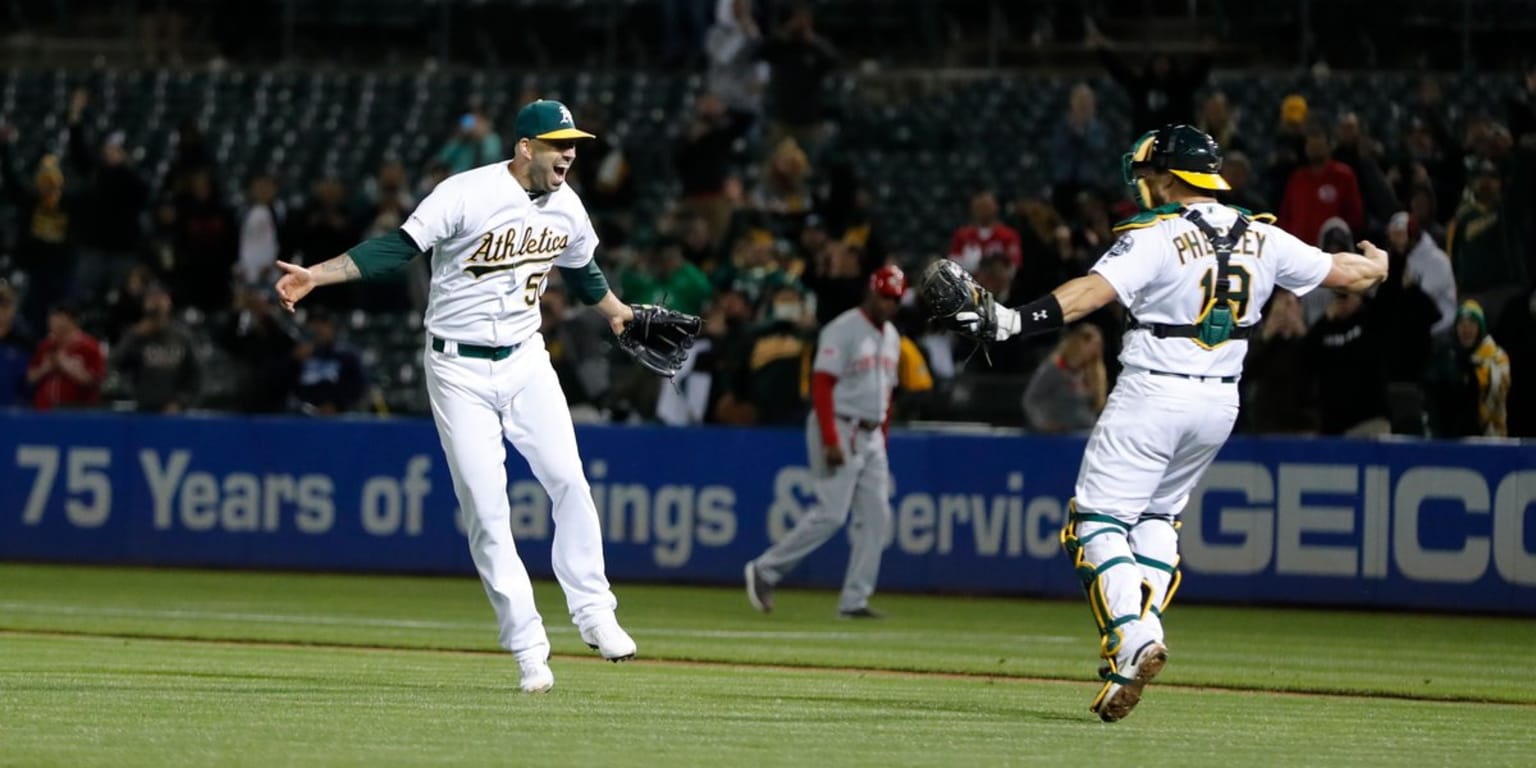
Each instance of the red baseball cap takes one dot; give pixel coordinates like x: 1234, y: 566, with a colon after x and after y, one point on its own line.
x: 888, y: 281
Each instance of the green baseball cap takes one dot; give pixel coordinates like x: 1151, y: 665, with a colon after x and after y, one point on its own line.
x: 546, y: 119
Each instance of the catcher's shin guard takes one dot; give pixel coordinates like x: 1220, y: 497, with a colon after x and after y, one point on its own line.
x: 1155, y: 542
x: 1101, y: 555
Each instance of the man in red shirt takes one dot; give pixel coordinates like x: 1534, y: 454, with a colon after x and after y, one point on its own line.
x: 68, y: 367
x: 985, y: 236
x: 1320, y: 190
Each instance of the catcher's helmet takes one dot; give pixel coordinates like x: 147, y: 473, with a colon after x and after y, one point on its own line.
x: 1182, y: 150
x: 889, y: 281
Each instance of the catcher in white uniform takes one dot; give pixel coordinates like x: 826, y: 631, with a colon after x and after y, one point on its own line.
x: 857, y: 356
x: 494, y: 234
x: 1192, y: 274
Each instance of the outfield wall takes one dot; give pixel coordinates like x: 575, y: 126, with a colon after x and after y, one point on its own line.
x: 1391, y: 524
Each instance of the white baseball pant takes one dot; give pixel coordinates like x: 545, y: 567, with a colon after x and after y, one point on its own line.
x: 478, y: 403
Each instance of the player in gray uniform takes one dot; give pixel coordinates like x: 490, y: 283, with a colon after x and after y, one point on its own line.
x: 856, y: 368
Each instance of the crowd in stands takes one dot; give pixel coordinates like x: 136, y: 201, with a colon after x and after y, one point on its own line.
x: 127, y: 280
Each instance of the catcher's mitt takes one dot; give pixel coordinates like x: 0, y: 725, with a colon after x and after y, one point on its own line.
x: 658, y: 338
x: 954, y: 300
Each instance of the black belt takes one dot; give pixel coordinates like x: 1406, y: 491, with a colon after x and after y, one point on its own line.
x: 1162, y: 331
x: 867, y: 426
x: 1222, y: 379
x: 476, y: 351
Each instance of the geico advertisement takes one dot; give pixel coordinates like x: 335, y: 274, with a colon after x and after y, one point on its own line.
x: 1396, y: 524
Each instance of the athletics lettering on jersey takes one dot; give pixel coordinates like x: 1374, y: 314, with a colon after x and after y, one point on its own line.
x: 498, y: 250
x: 492, y: 247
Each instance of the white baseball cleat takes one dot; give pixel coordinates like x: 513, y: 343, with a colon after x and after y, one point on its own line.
x: 537, y: 678
x: 1123, y: 686
x: 610, y: 640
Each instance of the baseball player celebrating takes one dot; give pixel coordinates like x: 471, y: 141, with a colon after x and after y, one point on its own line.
x: 856, y: 369
x: 494, y: 234
x: 1193, y: 275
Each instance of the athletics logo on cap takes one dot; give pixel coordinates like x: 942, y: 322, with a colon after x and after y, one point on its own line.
x: 546, y: 119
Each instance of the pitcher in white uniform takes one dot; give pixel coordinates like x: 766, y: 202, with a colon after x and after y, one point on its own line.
x: 1192, y: 274
x: 857, y: 357
x: 494, y: 233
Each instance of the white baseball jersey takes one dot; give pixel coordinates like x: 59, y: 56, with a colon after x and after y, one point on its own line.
x: 1165, y: 273
x: 492, y: 250
x: 864, y: 360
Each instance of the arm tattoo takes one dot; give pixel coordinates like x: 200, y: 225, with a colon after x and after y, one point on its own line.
x: 338, y: 270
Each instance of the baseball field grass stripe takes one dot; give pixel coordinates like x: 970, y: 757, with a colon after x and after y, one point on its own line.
x: 84, y: 701
x: 1426, y: 656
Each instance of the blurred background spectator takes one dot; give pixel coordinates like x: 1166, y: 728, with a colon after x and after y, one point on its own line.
x: 327, y: 376
x: 68, y: 368
x: 15, y: 351
x: 1068, y: 389
x: 157, y: 360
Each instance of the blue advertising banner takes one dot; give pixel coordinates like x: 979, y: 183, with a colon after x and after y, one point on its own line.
x: 1389, y: 524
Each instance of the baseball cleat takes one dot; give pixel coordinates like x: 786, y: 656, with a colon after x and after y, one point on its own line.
x: 611, y: 641
x: 861, y: 613
x: 1122, y: 692
x: 536, y: 676
x: 759, y: 592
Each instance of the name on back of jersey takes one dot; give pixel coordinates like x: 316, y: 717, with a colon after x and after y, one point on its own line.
x: 501, y: 250
x: 1192, y: 246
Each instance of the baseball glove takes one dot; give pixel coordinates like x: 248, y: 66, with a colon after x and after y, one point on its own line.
x: 954, y: 300
x: 658, y: 338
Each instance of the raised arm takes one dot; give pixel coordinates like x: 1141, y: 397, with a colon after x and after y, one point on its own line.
x: 1357, y: 272
x: 372, y: 258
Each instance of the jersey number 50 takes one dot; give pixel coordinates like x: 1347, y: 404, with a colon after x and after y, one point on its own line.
x: 1240, y: 276
x: 535, y: 286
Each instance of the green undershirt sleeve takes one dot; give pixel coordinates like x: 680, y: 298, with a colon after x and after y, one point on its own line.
x: 587, y: 283
x: 384, y: 254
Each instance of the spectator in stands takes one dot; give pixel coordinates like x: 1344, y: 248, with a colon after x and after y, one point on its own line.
x: 1161, y: 90
x: 698, y: 243
x: 388, y: 189
x: 158, y: 360
x: 1320, y: 190
x: 1289, y: 146
x: 262, y: 223
x: 124, y: 304
x: 1471, y: 380
x: 783, y: 191
x: 1068, y: 389
x: 834, y: 270
x: 260, y: 341
x: 15, y: 351
x: 1219, y: 120
x: 1079, y: 147
x: 1427, y: 166
x: 578, y: 348
x: 1279, y: 385
x: 728, y: 329
x: 771, y: 384
x: 328, y: 376
x: 206, y: 245
x: 1347, y: 347
x: 68, y: 367
x: 1517, y: 330
x: 1428, y: 266
x: 753, y: 269
x: 474, y: 144
x: 1359, y: 152
x: 324, y: 230
x: 1489, y: 266
x: 734, y: 76
x: 1237, y: 169
x: 683, y: 23
x: 192, y: 156
x: 1405, y: 315
x: 798, y: 60
x: 603, y: 176
x: 702, y: 159
x: 113, y: 202
x: 663, y: 276
x: 433, y: 175
x: 47, y: 220
x: 985, y: 235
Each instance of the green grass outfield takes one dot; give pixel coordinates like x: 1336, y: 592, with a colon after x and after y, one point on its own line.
x: 116, y: 667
